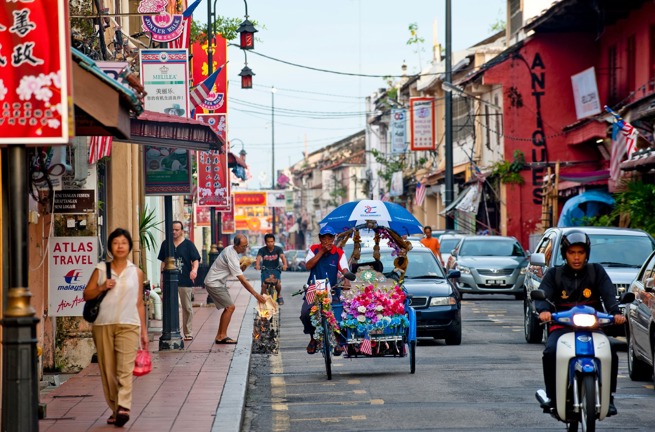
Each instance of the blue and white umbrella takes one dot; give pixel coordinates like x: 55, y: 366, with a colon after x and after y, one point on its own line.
x: 385, y: 214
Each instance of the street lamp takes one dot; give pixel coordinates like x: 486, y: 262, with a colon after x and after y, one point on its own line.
x: 247, y: 31
x: 273, y: 90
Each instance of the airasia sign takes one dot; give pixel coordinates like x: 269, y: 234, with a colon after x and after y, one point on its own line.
x: 35, y: 95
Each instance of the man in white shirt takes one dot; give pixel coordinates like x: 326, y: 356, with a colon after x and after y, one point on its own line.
x: 225, y: 265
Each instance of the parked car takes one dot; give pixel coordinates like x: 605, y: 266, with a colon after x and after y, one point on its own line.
x: 641, y: 323
x: 489, y: 265
x: 621, y: 251
x: 298, y: 262
x: 291, y: 256
x: 434, y: 295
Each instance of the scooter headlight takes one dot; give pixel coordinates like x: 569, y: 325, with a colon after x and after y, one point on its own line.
x: 584, y: 320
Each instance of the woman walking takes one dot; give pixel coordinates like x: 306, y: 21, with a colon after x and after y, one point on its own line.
x: 121, y: 324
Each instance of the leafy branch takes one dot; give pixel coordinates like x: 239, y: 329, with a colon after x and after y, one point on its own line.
x: 391, y: 165
x: 510, y: 172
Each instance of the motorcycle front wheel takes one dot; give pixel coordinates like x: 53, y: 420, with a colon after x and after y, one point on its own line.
x: 588, y: 400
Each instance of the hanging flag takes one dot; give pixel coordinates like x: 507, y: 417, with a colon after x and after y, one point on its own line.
x: 201, y: 92
x: 624, y: 142
x: 366, y: 347
x: 184, y: 40
x: 99, y: 147
x: 309, y: 295
x: 420, y: 194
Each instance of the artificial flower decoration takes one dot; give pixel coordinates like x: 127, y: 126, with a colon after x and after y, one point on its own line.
x: 374, y: 310
x: 323, y: 305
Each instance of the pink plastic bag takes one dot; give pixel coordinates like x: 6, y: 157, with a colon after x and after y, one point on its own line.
x: 143, y: 363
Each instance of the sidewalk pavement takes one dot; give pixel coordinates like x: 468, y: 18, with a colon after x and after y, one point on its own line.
x: 201, y: 388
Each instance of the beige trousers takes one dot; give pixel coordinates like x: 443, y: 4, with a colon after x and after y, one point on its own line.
x: 187, y: 309
x: 117, y: 345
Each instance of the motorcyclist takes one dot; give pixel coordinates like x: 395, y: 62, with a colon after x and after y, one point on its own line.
x: 578, y: 285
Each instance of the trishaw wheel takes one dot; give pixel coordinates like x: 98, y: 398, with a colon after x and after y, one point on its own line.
x: 326, y: 348
x: 412, y: 356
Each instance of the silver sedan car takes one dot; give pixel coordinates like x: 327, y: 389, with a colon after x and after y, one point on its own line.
x: 490, y: 265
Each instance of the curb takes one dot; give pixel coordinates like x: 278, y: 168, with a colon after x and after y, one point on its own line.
x: 229, y: 414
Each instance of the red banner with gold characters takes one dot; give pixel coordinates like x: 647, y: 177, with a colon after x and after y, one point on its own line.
x: 35, y: 82
x: 213, y: 180
x: 217, y: 100
x: 228, y: 225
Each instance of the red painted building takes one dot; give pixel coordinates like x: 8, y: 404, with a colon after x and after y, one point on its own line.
x: 539, y: 113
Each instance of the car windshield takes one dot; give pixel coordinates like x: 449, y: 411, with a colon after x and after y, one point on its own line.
x: 617, y: 250
x: 495, y: 247
x: 422, y: 264
x: 301, y: 254
x: 449, y: 244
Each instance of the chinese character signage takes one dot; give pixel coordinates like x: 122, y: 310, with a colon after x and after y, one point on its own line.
x: 213, y: 180
x: 249, y: 198
x: 165, y: 75
x: 35, y: 89
x: 421, y: 119
x: 228, y: 225
x: 72, y: 260
x: 398, y: 131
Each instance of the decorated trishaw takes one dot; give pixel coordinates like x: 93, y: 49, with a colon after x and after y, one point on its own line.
x: 372, y: 317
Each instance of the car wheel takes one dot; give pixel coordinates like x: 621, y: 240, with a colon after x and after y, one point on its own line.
x: 454, y: 336
x: 637, y: 369
x: 533, y: 331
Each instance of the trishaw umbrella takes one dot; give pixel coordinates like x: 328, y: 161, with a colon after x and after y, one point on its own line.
x: 384, y: 213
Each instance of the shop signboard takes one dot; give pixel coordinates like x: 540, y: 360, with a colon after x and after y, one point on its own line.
x: 35, y: 73
x: 421, y: 119
x: 72, y: 260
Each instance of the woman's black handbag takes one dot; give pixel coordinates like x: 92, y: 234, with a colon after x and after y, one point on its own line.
x: 92, y: 307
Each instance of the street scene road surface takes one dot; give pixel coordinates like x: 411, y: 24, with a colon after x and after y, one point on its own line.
x: 485, y: 384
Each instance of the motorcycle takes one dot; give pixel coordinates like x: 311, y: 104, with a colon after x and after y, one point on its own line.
x: 583, y: 377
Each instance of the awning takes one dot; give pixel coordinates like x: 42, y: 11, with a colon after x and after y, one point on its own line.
x: 582, y: 132
x: 456, y: 201
x: 234, y: 160
x: 164, y: 130
x: 643, y: 160
x: 102, y: 104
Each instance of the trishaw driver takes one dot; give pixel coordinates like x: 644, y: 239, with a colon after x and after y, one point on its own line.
x: 323, y: 261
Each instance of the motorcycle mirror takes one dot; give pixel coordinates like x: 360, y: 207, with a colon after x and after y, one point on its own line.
x: 628, y: 297
x: 537, y: 295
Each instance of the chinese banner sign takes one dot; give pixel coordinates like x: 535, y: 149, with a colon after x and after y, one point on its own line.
x: 213, y: 180
x: 218, y: 122
x: 249, y: 198
x: 203, y: 217
x: 72, y: 260
x: 421, y: 119
x: 35, y: 83
x: 217, y: 100
x: 227, y: 220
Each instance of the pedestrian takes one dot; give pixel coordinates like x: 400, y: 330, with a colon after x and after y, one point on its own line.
x: 268, y: 261
x: 432, y: 243
x: 323, y: 260
x: 187, y: 260
x: 226, y: 265
x: 120, y: 326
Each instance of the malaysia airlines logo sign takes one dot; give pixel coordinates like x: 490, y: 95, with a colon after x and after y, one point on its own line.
x: 72, y: 276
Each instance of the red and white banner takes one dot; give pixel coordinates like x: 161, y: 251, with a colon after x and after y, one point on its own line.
x: 35, y: 81
x: 421, y: 120
x: 99, y: 147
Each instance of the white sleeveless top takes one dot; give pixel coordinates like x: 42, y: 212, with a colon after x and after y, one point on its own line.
x: 119, y: 305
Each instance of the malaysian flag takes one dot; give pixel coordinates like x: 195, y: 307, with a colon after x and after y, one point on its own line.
x: 366, y: 347
x: 624, y: 142
x: 185, y: 38
x: 420, y: 194
x: 200, y: 93
x: 99, y: 147
x: 310, y: 293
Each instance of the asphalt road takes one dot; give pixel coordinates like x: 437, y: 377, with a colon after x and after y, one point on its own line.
x: 486, y: 384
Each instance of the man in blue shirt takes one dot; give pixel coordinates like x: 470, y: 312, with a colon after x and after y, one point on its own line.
x: 324, y: 260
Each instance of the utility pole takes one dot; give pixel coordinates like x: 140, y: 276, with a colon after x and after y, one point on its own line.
x: 449, y: 181
x: 273, y: 151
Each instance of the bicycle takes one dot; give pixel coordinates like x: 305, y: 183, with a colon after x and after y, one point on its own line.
x: 270, y: 284
x: 327, y: 327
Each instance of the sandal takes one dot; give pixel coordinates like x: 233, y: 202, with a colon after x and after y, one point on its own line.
x: 188, y: 338
x: 280, y: 301
x: 122, y: 417
x: 111, y: 420
x: 311, y: 347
